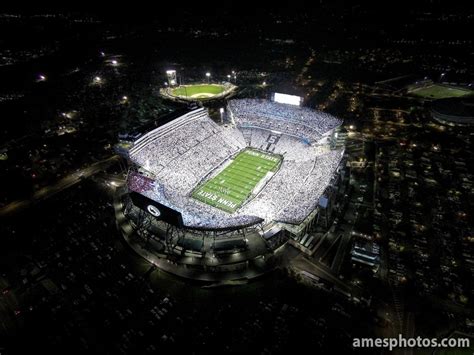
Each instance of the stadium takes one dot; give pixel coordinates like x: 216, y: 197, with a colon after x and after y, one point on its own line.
x: 204, y: 198
x: 428, y: 90
x: 197, y: 92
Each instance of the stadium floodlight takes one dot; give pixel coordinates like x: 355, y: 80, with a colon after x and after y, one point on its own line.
x: 208, y: 75
x: 264, y: 83
x: 171, y: 76
x: 97, y: 80
x: 114, y: 62
x: 124, y: 98
x: 41, y: 77
x: 102, y: 54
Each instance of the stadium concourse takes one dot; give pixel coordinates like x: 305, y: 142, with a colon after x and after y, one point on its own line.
x: 268, y: 168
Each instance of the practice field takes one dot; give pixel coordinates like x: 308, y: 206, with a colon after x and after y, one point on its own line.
x: 229, y: 189
x: 200, y: 91
x: 439, y: 92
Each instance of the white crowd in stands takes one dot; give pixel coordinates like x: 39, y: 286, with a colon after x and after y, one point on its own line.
x: 301, y: 122
x: 181, y: 154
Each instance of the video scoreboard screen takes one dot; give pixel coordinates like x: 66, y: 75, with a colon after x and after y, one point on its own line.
x: 287, y: 99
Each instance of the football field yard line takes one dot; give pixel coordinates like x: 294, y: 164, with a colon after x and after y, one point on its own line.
x: 230, y: 188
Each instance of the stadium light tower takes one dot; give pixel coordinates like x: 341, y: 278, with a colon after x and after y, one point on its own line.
x: 208, y: 75
x: 171, y: 75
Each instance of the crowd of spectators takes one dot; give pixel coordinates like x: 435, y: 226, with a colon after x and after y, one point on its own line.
x: 192, y: 148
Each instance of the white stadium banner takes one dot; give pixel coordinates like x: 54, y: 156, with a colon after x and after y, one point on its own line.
x: 287, y: 99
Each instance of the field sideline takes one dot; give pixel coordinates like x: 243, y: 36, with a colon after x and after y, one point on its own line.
x: 229, y: 189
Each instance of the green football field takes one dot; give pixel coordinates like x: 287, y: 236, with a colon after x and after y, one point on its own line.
x: 199, y: 91
x: 439, y: 92
x: 229, y: 189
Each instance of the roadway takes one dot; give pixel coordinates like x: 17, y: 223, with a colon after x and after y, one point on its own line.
x: 66, y: 182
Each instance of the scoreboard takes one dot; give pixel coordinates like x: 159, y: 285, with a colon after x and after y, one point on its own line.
x: 287, y: 99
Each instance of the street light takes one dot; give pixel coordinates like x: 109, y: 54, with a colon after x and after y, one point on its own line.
x: 41, y: 77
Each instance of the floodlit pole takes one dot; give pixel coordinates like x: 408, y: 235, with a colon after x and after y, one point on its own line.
x: 171, y: 76
x: 208, y: 75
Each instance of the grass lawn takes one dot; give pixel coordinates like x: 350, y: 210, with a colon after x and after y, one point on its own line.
x: 229, y: 189
x: 440, y: 92
x: 198, y: 91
